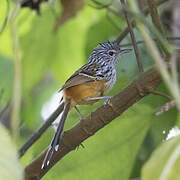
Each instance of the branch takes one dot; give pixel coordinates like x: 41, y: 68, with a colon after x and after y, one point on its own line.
x: 145, y: 11
x: 155, y: 54
x: 156, y: 21
x: 141, y: 41
x: 161, y: 94
x: 166, y: 107
x: 139, y: 62
x: 104, y: 6
x: 154, y: 15
x: 97, y: 120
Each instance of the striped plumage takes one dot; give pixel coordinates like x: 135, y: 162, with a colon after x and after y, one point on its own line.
x: 87, y: 85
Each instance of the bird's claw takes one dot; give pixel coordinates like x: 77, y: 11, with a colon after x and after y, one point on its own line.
x: 107, y: 100
x: 81, y: 146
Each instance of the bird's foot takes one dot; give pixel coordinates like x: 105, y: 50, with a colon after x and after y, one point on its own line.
x: 106, y: 98
x: 80, y: 115
x: 81, y: 146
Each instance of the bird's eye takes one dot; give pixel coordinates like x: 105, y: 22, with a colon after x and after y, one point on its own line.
x: 111, y: 53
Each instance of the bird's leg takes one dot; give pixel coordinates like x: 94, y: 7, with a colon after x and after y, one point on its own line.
x: 106, y: 98
x: 77, y: 110
x: 81, y: 117
x: 81, y: 144
x: 106, y: 101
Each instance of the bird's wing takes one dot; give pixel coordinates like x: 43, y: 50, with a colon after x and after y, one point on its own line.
x: 83, y: 75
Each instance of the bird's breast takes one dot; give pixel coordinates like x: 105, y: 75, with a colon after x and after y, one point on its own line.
x: 110, y: 79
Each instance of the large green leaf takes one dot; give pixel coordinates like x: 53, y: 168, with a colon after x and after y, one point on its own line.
x: 5, y: 39
x: 39, y: 47
x: 100, y: 31
x: 10, y: 167
x: 164, y: 163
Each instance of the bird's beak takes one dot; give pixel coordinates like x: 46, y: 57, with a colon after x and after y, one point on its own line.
x: 123, y: 51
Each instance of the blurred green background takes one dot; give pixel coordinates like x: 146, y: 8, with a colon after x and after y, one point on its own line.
x: 117, y: 151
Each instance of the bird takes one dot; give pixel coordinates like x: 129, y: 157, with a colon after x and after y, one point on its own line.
x: 87, y: 85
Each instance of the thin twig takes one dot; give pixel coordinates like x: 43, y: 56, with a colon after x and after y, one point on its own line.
x: 166, y: 107
x: 161, y: 65
x: 139, y: 62
x: 154, y: 15
x: 40, y: 131
x: 141, y: 41
x: 174, y: 67
x: 100, y: 5
x: 124, y: 33
x: 163, y: 43
x: 145, y: 12
x: 173, y: 38
x: 105, y: 6
x: 161, y: 94
x: 156, y: 21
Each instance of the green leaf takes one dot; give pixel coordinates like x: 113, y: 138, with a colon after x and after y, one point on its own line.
x: 165, y: 162
x: 100, y: 31
x: 5, y: 38
x: 39, y: 46
x: 10, y: 167
x: 32, y: 108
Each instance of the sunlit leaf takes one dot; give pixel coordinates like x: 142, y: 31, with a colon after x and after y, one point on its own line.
x: 10, y: 167
x: 164, y: 163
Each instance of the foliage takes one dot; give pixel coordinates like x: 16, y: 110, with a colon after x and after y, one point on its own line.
x: 164, y: 163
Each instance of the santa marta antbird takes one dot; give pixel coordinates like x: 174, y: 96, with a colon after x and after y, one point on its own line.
x: 87, y: 85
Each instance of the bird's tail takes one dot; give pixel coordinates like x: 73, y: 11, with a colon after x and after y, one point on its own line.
x: 57, y: 136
